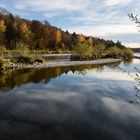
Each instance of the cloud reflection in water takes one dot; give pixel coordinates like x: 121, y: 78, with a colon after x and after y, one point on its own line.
x: 72, y: 106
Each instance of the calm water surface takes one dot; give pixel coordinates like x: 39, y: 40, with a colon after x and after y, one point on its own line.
x: 137, y: 54
x: 70, y: 103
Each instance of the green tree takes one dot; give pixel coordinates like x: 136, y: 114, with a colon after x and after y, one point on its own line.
x: 83, y: 50
x: 128, y: 53
x: 99, y: 50
x: 114, y: 52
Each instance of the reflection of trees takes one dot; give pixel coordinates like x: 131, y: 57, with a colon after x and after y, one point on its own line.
x: 127, y: 62
x: 113, y: 65
x: 25, y: 76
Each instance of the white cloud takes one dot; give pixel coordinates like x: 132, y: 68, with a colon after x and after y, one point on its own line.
x: 132, y: 45
x: 117, y: 2
x: 111, y: 32
x: 110, y: 75
x: 122, y: 109
x: 47, y: 5
x: 104, y: 30
x: 51, y: 9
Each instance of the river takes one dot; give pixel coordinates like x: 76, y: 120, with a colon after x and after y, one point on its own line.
x: 71, y: 103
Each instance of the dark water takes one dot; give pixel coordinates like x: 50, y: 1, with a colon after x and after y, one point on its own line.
x: 70, y: 103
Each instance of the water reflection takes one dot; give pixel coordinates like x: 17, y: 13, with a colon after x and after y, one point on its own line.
x: 16, y: 78
x: 128, y: 62
x: 66, y: 104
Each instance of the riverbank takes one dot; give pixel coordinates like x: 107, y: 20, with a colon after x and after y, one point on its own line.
x: 137, y: 57
x: 72, y: 63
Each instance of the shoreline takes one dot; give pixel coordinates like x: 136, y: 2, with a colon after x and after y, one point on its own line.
x: 72, y: 63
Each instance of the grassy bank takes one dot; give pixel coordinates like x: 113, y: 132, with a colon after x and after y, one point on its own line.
x: 32, y: 52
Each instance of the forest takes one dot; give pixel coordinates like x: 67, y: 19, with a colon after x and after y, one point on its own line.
x: 17, y: 33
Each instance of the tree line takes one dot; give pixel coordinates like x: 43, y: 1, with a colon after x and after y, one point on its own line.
x: 17, y: 33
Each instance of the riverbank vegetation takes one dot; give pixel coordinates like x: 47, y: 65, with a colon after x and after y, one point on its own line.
x: 85, y: 52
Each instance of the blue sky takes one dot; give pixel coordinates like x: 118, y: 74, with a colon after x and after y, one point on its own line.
x: 101, y: 18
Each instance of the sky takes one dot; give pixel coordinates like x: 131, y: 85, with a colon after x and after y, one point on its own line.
x: 106, y: 19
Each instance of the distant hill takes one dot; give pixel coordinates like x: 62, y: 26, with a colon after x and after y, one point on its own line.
x: 136, y: 49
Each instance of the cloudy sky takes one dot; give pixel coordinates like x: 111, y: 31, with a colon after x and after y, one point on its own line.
x: 101, y: 18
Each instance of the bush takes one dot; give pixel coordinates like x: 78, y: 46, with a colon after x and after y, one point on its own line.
x: 128, y: 53
x: 114, y: 52
x: 99, y: 50
x: 82, y: 51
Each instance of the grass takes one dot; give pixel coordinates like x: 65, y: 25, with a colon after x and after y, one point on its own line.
x: 19, y: 52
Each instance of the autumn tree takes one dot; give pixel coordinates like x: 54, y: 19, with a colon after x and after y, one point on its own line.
x: 81, y: 38
x: 25, y: 32
x: 50, y: 37
x: 58, y: 36
x: 2, y: 29
x: 2, y: 26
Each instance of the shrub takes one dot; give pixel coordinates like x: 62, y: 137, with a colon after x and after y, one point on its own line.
x: 82, y: 51
x: 114, y: 52
x: 128, y: 53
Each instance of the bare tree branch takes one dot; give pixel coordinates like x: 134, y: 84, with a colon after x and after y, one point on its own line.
x: 135, y: 19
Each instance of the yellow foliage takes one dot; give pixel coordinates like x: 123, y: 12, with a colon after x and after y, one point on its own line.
x: 24, y: 30
x: 81, y: 38
x: 2, y: 26
x: 24, y: 27
x: 58, y: 36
